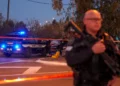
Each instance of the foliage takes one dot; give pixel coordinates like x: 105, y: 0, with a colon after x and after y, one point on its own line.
x: 57, y: 5
x: 51, y: 29
x: 7, y: 27
x: 33, y: 25
x: 20, y: 24
x: 110, y: 10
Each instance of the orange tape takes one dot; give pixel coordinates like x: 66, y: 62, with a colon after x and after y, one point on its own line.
x: 44, y: 77
x: 6, y: 37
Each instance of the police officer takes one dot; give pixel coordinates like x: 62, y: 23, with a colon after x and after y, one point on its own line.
x: 86, y: 62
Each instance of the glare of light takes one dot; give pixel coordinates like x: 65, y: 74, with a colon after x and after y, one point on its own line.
x: 20, y: 79
x: 17, y: 46
x: 46, y: 21
x: 15, y: 80
x: 18, y: 49
x: 44, y: 77
x: 53, y: 18
x: 3, y: 46
x: 22, y: 32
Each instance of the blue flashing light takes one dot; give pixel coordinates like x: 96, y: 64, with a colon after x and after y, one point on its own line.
x: 3, y: 46
x: 17, y: 46
x: 22, y: 32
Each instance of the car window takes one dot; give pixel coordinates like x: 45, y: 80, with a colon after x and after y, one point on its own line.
x: 55, y: 42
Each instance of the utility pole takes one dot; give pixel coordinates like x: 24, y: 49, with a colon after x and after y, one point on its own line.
x: 8, y: 8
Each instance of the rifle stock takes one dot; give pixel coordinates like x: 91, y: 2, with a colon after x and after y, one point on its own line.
x: 77, y: 29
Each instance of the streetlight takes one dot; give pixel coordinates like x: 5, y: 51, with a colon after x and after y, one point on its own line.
x: 53, y: 18
x: 46, y: 21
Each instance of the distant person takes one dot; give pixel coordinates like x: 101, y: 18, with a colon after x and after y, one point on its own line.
x: 63, y: 43
x: 48, y: 47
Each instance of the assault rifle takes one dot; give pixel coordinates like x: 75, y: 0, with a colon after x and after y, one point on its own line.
x: 109, y: 61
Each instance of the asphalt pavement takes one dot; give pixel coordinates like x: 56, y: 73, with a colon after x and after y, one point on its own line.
x: 35, y: 71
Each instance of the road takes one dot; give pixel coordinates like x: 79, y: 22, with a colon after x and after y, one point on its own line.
x: 35, y: 71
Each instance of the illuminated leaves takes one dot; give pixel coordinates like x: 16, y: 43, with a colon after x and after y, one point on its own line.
x: 57, y: 5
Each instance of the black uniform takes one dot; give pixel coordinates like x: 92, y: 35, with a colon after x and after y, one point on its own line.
x: 62, y: 44
x: 89, y: 69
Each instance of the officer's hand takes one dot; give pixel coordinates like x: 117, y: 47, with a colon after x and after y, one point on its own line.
x: 98, y: 47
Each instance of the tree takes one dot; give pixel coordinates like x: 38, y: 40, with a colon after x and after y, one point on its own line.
x: 110, y: 10
x: 57, y: 5
x: 8, y: 26
x: 52, y: 30
x: 33, y: 24
x: 20, y: 26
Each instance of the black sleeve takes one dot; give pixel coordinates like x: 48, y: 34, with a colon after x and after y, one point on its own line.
x: 78, y: 55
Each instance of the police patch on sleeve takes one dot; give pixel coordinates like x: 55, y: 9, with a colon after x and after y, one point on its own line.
x: 69, y: 48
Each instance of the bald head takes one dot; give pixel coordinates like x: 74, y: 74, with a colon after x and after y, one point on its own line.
x: 92, y: 14
x: 92, y: 21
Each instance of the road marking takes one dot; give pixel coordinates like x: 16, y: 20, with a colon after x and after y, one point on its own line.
x: 18, y: 61
x: 55, y: 63
x: 32, y: 70
x: 11, y: 62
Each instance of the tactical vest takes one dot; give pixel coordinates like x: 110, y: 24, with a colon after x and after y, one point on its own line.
x: 96, y: 65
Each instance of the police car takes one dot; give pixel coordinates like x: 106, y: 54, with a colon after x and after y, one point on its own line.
x: 22, y: 43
